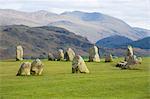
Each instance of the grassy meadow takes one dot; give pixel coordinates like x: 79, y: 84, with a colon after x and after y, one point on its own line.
x: 105, y: 81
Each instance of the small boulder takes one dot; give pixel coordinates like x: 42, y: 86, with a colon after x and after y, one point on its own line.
x: 36, y: 67
x: 51, y: 57
x: 24, y: 69
x: 139, y: 60
x: 122, y: 64
x: 108, y: 58
x: 132, y: 60
x: 78, y: 64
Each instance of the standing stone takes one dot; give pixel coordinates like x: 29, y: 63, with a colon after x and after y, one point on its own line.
x: 130, y: 60
x: 36, y: 67
x: 108, y: 58
x: 19, y: 53
x: 93, y: 54
x: 24, y: 69
x: 129, y: 53
x: 78, y: 64
x: 51, y: 57
x: 70, y: 54
x: 60, y: 55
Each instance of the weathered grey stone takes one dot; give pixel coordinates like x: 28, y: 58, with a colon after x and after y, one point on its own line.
x: 36, y: 67
x: 139, y: 60
x: 93, y: 54
x: 60, y: 55
x: 78, y: 64
x: 51, y: 57
x: 122, y: 64
x: 19, y: 53
x: 108, y: 58
x: 129, y: 64
x: 24, y: 69
x: 130, y: 51
x: 130, y: 60
x: 69, y: 55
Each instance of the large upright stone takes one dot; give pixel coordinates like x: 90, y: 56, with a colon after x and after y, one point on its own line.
x: 93, y: 54
x: 130, y: 51
x: 60, y: 55
x: 78, y: 64
x: 108, y: 58
x: 19, y: 53
x: 24, y: 69
x: 36, y: 67
x: 69, y: 55
x: 51, y: 57
x: 131, y: 58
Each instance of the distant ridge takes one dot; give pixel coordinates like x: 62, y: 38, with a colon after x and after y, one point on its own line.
x: 117, y: 41
x: 113, y: 41
x: 39, y: 41
x: 94, y: 25
x: 142, y: 43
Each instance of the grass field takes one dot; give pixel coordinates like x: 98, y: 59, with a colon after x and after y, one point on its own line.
x: 104, y: 82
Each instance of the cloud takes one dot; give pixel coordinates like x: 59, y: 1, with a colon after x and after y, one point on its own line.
x: 134, y: 12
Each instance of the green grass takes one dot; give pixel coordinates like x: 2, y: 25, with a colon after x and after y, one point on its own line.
x: 104, y: 82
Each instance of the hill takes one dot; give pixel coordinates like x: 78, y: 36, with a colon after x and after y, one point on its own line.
x: 38, y: 41
x: 142, y: 43
x: 113, y: 41
x: 94, y: 25
x: 117, y: 45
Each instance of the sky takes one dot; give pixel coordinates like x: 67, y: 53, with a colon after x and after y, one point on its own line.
x: 134, y: 12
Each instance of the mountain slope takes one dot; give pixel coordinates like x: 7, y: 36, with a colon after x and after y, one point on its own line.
x: 142, y: 32
x: 122, y: 42
x: 142, y: 43
x: 113, y: 41
x: 94, y: 25
x: 38, y: 41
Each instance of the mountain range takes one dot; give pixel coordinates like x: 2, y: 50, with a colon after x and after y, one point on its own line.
x: 94, y: 26
x: 42, y: 32
x: 39, y: 41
